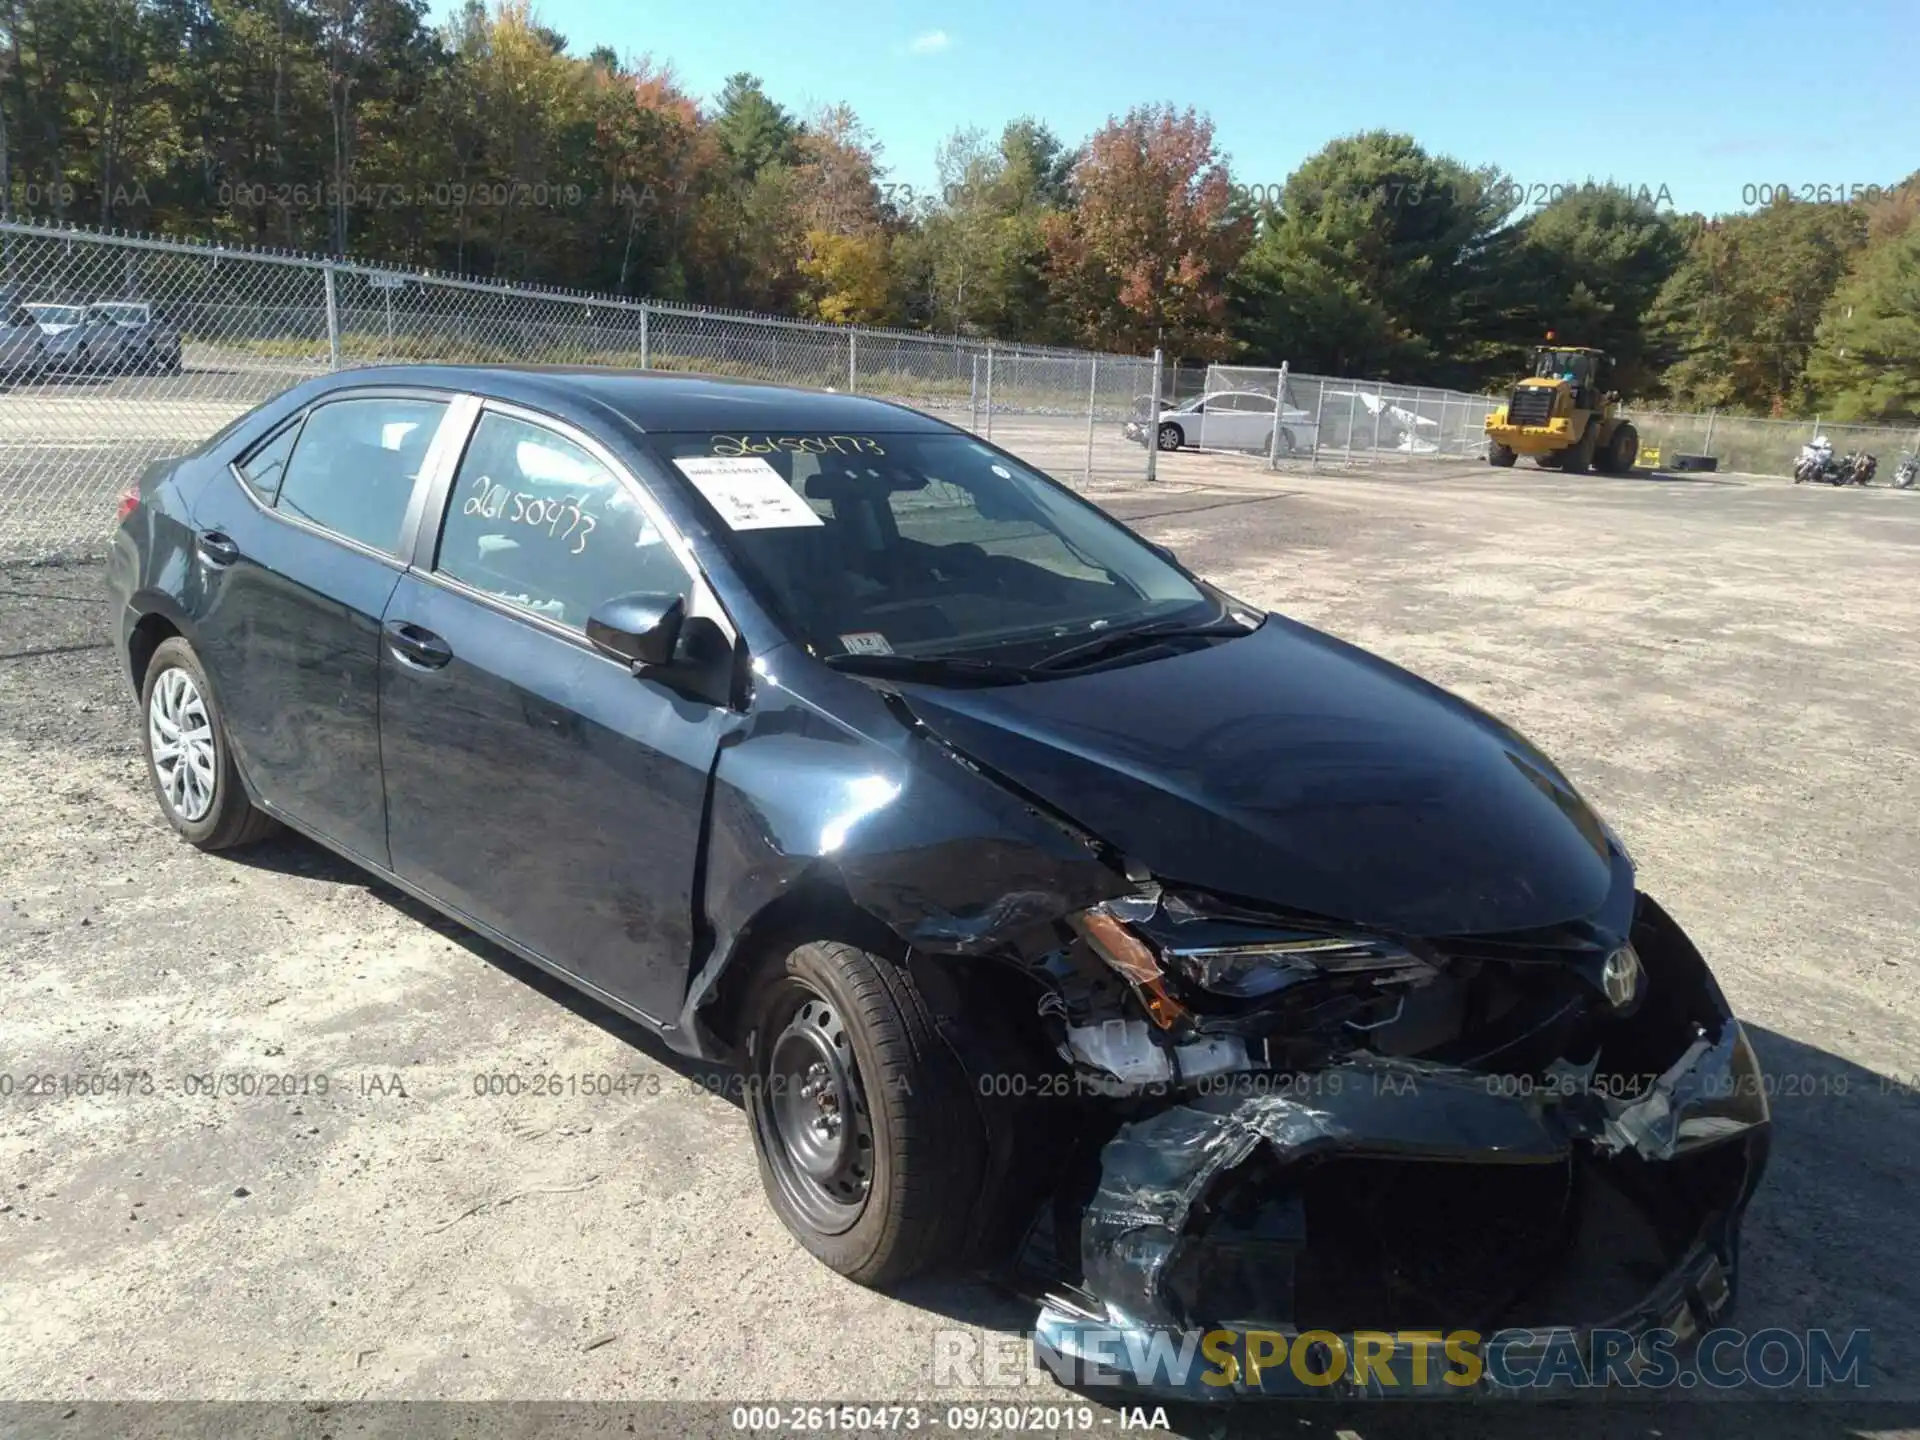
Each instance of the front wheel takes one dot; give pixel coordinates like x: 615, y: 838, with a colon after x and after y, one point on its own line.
x: 1500, y: 456
x: 1171, y: 437
x: 868, y: 1140
x: 189, y: 760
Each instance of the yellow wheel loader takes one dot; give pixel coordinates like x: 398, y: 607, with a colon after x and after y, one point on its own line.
x: 1564, y: 417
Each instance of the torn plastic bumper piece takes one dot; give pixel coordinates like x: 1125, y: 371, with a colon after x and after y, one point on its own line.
x: 1205, y: 1218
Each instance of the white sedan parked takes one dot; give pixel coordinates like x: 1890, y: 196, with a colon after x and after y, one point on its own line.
x: 1232, y: 420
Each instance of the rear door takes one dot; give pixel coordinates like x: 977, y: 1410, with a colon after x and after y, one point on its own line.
x: 298, y: 551
x: 534, y: 783
x: 1237, y: 420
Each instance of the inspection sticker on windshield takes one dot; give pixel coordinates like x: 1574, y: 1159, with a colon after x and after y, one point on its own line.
x: 866, y: 642
x: 748, y: 492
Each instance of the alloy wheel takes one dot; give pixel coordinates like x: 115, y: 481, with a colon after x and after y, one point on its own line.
x: 180, y: 739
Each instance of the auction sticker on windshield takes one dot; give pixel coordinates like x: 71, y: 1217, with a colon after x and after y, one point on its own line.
x: 748, y: 492
x: 866, y: 642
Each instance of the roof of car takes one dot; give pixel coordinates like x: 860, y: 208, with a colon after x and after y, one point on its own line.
x: 659, y: 400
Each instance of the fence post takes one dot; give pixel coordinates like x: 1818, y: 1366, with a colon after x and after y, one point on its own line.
x: 1279, y: 407
x: 973, y: 393
x: 1153, y: 421
x: 333, y: 319
x: 646, y: 354
x: 1379, y: 410
x: 1706, y: 446
x: 853, y: 361
x: 989, y: 392
x: 1353, y: 404
x: 1093, y: 395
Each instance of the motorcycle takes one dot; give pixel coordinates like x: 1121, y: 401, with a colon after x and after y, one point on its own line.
x: 1816, y: 462
x: 1906, y: 472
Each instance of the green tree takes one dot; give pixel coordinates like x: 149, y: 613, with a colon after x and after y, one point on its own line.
x: 983, y: 255
x: 753, y: 131
x: 1381, y: 260
x: 1865, y: 363
x: 1589, y: 267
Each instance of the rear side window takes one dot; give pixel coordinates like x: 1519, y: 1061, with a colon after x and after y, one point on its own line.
x: 261, y: 470
x: 539, y: 522
x: 353, y: 468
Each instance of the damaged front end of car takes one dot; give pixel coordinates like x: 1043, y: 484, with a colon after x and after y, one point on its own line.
x: 1283, y: 1128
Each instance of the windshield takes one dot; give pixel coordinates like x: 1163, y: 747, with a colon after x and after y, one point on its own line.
x: 923, y: 544
x: 122, y: 314
x: 1556, y: 364
x: 58, y: 314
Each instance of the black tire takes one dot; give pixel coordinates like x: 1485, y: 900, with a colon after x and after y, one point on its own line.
x: 1500, y: 456
x: 1623, y: 450
x: 231, y: 818
x: 1578, y: 458
x: 1171, y: 437
x: 925, y: 1161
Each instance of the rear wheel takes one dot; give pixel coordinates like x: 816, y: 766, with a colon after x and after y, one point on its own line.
x: 188, y: 758
x: 1500, y: 455
x: 867, y: 1136
x: 1171, y: 437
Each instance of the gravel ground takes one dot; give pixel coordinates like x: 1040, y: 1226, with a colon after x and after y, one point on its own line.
x: 1728, y: 669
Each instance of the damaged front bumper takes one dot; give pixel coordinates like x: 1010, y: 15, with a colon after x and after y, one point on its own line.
x: 1387, y: 1197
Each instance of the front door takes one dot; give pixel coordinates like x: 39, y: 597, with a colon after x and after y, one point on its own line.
x: 297, y: 557
x: 534, y: 783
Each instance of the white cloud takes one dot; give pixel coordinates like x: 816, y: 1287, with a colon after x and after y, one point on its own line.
x: 931, y: 43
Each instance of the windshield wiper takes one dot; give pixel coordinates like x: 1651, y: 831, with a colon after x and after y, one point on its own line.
x: 1112, y: 643
x: 964, y: 669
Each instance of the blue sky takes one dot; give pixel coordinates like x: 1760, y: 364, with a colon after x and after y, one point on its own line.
x: 1703, y: 97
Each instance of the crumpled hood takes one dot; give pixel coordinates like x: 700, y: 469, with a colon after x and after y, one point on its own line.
x: 1290, y: 768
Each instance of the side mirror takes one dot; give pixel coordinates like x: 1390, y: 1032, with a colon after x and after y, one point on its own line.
x: 1163, y: 552
x: 641, y: 629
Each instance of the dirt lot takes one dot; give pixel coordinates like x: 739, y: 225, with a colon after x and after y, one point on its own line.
x: 1730, y: 670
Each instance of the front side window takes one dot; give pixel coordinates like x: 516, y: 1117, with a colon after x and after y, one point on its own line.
x: 537, y: 521
x: 354, y: 465
x: 58, y: 314
x: 921, y: 544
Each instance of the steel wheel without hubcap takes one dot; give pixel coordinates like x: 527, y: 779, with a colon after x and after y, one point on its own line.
x: 817, y: 1132
x: 180, y: 736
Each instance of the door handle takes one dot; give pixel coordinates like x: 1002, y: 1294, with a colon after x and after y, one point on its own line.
x: 416, y: 646
x: 218, y: 550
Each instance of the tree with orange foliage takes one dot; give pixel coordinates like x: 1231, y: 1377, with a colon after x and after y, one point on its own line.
x: 1142, y: 257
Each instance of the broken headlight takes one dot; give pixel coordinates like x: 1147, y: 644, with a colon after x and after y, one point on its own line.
x: 1241, y: 970
x: 1248, y: 972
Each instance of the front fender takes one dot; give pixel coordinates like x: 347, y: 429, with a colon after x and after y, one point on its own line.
x: 862, y: 805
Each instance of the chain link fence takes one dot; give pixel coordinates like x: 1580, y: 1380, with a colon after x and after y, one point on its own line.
x: 1320, y: 420
x: 117, y: 351
x: 1333, y: 423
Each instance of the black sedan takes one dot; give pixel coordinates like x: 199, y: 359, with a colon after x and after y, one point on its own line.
x: 1064, y: 914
